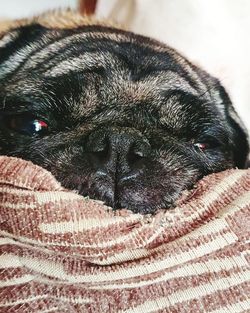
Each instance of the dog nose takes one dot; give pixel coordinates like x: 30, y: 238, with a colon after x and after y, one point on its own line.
x: 117, y: 152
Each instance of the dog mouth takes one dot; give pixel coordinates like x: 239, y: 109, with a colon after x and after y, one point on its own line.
x: 127, y: 195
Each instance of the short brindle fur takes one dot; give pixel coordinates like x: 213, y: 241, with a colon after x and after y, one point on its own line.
x: 130, y: 121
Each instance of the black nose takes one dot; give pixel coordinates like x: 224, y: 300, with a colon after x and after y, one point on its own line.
x: 118, y: 153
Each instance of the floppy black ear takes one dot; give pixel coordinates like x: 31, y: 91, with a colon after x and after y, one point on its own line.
x: 239, y: 132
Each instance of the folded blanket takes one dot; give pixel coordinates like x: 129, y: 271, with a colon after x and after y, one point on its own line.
x: 60, y: 252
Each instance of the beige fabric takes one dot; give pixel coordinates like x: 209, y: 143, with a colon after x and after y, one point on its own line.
x: 60, y: 252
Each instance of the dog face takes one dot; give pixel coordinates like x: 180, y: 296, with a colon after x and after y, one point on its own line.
x: 116, y: 116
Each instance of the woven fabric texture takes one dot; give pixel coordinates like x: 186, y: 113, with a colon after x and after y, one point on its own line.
x: 60, y: 252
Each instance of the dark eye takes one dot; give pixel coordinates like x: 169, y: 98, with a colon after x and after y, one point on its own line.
x: 201, y: 146
x: 26, y: 125
x: 209, y: 143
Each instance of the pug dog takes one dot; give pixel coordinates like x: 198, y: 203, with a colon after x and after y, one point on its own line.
x: 116, y: 116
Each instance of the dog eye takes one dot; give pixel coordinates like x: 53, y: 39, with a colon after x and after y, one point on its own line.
x: 27, y: 125
x: 201, y: 146
x: 208, y: 143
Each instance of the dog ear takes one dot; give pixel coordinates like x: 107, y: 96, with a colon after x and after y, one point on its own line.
x: 239, y: 132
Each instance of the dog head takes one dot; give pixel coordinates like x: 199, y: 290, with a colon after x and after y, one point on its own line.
x: 116, y: 116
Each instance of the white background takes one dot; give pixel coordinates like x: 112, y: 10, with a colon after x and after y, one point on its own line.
x: 24, y: 8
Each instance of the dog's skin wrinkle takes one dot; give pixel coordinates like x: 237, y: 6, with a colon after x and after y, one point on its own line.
x: 122, y: 84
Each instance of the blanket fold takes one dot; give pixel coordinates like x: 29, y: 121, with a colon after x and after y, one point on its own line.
x: 60, y: 252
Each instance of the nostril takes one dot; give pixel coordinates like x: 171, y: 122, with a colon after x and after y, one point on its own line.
x: 119, y: 150
x: 138, y: 151
x: 100, y: 153
x: 134, y: 156
x: 98, y: 149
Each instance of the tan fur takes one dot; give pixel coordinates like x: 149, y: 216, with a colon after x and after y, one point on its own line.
x: 59, y: 19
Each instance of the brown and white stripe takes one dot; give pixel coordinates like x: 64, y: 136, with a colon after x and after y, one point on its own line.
x: 63, y: 253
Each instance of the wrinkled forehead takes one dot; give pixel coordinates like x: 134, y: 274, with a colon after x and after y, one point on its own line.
x: 49, y: 53
x: 100, y: 67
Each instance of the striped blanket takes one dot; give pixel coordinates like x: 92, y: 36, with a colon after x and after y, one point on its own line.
x: 60, y: 252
